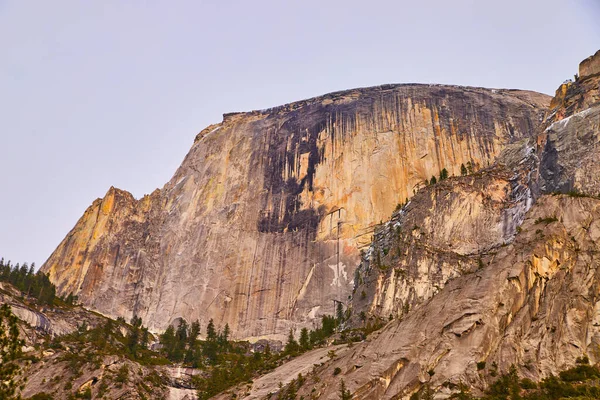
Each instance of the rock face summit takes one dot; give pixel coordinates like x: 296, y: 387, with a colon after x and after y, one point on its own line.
x: 262, y: 224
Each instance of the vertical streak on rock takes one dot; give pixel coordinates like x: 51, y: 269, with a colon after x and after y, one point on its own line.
x: 251, y: 211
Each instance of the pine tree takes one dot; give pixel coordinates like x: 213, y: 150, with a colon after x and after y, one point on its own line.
x: 291, y: 347
x: 194, y: 332
x: 344, y: 393
x: 210, y: 346
x: 167, y: 340
x: 224, y: 337
x: 304, y: 339
x: 463, y: 170
x: 443, y: 174
x: 211, y: 333
x: 134, y: 335
x: 192, y: 354
x: 181, y: 339
x: 432, y: 181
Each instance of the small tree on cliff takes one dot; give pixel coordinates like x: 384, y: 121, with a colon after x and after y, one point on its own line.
x: 210, y: 346
x: 443, y: 174
x: 463, y: 170
x: 304, y: 339
x: 291, y: 347
x: 433, y: 180
x: 211, y: 332
x: 344, y: 393
x: 134, y: 336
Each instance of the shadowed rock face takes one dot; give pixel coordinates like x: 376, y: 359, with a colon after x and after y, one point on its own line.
x: 570, y: 143
x: 262, y: 224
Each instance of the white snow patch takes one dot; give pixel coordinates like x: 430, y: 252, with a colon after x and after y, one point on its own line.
x: 312, y: 314
x: 336, y: 276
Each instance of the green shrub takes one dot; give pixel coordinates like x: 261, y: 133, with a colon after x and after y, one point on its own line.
x: 122, y: 374
x: 528, y: 384
x: 580, y: 373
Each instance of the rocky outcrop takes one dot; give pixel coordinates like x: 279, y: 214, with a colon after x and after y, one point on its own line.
x: 443, y: 232
x: 262, y: 224
x: 533, y: 304
x: 570, y: 159
x: 590, y: 66
x: 569, y: 144
x: 48, y: 321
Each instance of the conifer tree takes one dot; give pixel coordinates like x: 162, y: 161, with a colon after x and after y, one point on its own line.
x: 344, y: 393
x: 291, y: 347
x: 194, y: 332
x: 167, y: 339
x: 304, y: 339
x: 211, y: 333
x: 210, y: 346
x: 443, y: 174
x: 224, y: 337
x: 134, y: 335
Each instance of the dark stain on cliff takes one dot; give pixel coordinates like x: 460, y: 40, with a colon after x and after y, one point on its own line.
x: 297, y: 135
x: 294, y: 130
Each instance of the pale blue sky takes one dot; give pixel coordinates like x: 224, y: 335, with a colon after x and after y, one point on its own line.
x: 101, y: 93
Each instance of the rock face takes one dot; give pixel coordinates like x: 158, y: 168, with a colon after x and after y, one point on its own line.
x: 590, y: 66
x: 518, y: 308
x: 443, y: 232
x: 50, y: 322
x: 570, y: 144
x: 498, y: 268
x: 262, y: 224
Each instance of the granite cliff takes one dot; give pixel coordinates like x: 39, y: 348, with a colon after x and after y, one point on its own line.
x: 276, y: 213
x: 262, y: 224
x: 485, y: 271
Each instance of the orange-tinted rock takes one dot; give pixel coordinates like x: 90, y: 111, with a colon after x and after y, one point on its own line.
x: 590, y: 66
x: 262, y: 224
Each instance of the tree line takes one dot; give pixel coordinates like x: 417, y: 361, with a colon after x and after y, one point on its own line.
x: 25, y: 279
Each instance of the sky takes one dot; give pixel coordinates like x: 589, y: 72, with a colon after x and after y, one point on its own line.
x: 96, y: 94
